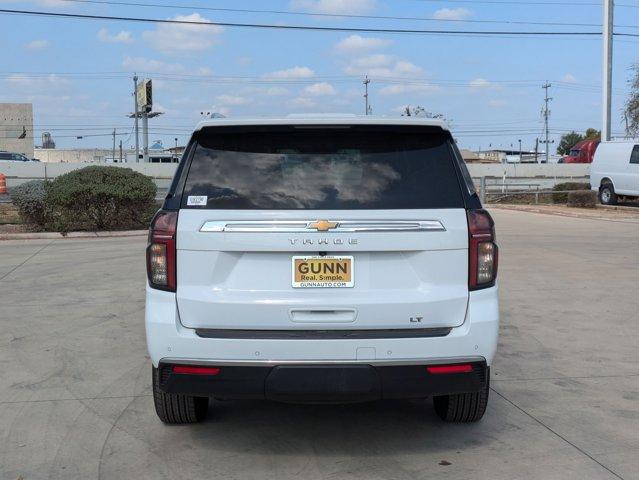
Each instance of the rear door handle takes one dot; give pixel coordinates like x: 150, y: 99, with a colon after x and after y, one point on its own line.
x: 323, y: 315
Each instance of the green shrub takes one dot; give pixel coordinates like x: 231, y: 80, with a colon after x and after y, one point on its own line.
x: 101, y: 198
x: 560, y: 197
x: 585, y: 199
x: 30, y: 200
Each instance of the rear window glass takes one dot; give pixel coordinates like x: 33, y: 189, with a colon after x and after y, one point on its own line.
x: 322, y: 168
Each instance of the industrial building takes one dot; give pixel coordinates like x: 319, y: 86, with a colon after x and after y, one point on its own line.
x: 103, y: 155
x: 16, y: 128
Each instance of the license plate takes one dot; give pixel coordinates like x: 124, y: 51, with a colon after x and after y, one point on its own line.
x: 323, y: 272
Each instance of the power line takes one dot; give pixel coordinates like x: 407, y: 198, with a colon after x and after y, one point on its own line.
x: 296, y: 27
x: 340, y: 15
x: 331, y: 15
x: 511, y: 2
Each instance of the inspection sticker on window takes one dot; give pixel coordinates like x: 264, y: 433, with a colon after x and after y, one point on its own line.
x: 197, y: 200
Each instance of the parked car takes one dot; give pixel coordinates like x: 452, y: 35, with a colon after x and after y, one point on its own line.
x: 13, y: 157
x: 615, y: 171
x: 321, y: 259
x: 582, y: 152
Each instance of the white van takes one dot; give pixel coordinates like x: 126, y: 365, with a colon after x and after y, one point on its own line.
x: 615, y: 171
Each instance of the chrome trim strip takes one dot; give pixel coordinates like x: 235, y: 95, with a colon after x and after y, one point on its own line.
x: 303, y: 226
x: 264, y: 363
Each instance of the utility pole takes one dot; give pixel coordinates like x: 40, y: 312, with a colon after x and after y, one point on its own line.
x: 367, y: 106
x: 135, y: 100
x: 546, y: 113
x: 520, y: 150
x: 608, y: 14
x: 113, y: 153
x: 536, y: 149
x: 120, y: 151
x: 145, y: 137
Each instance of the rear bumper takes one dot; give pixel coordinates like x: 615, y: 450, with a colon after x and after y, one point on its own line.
x: 324, y: 383
x: 170, y: 342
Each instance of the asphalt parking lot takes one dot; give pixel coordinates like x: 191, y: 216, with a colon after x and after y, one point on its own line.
x: 75, y: 379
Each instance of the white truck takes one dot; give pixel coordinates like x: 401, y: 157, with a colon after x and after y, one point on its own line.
x: 321, y: 259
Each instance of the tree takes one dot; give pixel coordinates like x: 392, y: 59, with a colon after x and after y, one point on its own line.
x: 593, y: 134
x: 631, y: 110
x: 571, y: 139
x: 568, y: 141
x: 419, y: 111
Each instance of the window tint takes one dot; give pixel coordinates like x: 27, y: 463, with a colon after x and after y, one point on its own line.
x: 358, y: 167
x: 634, y: 156
x: 468, y: 180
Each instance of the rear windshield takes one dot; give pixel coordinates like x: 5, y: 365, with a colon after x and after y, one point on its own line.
x: 322, y: 168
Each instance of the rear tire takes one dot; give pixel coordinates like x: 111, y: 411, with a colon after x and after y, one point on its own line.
x: 607, y: 195
x: 463, y: 407
x: 175, y: 409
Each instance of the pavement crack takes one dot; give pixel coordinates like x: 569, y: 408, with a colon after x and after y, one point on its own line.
x: 584, y: 377
x: 25, y: 261
x: 557, y: 434
x: 74, y: 399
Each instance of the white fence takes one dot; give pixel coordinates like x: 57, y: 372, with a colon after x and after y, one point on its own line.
x: 546, y: 175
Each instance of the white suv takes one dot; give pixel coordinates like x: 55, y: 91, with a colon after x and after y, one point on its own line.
x: 321, y: 259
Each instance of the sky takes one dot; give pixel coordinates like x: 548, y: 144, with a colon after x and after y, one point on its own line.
x: 78, y: 73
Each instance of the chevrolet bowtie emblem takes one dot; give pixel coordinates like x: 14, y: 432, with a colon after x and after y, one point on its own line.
x: 323, y: 225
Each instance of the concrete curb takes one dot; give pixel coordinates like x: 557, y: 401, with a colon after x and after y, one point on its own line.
x: 571, y: 214
x: 71, y: 235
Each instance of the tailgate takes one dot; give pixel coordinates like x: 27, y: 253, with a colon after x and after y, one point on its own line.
x: 409, y: 269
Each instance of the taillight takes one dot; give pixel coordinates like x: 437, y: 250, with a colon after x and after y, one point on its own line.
x: 446, y: 369
x: 160, y: 252
x: 482, y: 250
x: 195, y: 370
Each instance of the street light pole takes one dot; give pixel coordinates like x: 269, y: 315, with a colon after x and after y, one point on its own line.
x: 608, y: 14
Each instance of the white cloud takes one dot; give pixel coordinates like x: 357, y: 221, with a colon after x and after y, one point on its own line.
x: 359, y: 44
x: 37, y: 45
x: 276, y: 91
x: 204, y: 71
x: 121, y: 37
x: 335, y: 7
x: 408, y: 88
x: 180, y: 38
x: 217, y: 109
x: 302, y: 103
x: 294, y: 72
x: 478, y: 83
x: 319, y: 89
x: 569, y: 78
x: 231, y: 100
x: 382, y: 65
x: 497, y: 103
x: 35, y: 83
x: 452, y: 14
x: 141, y: 64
